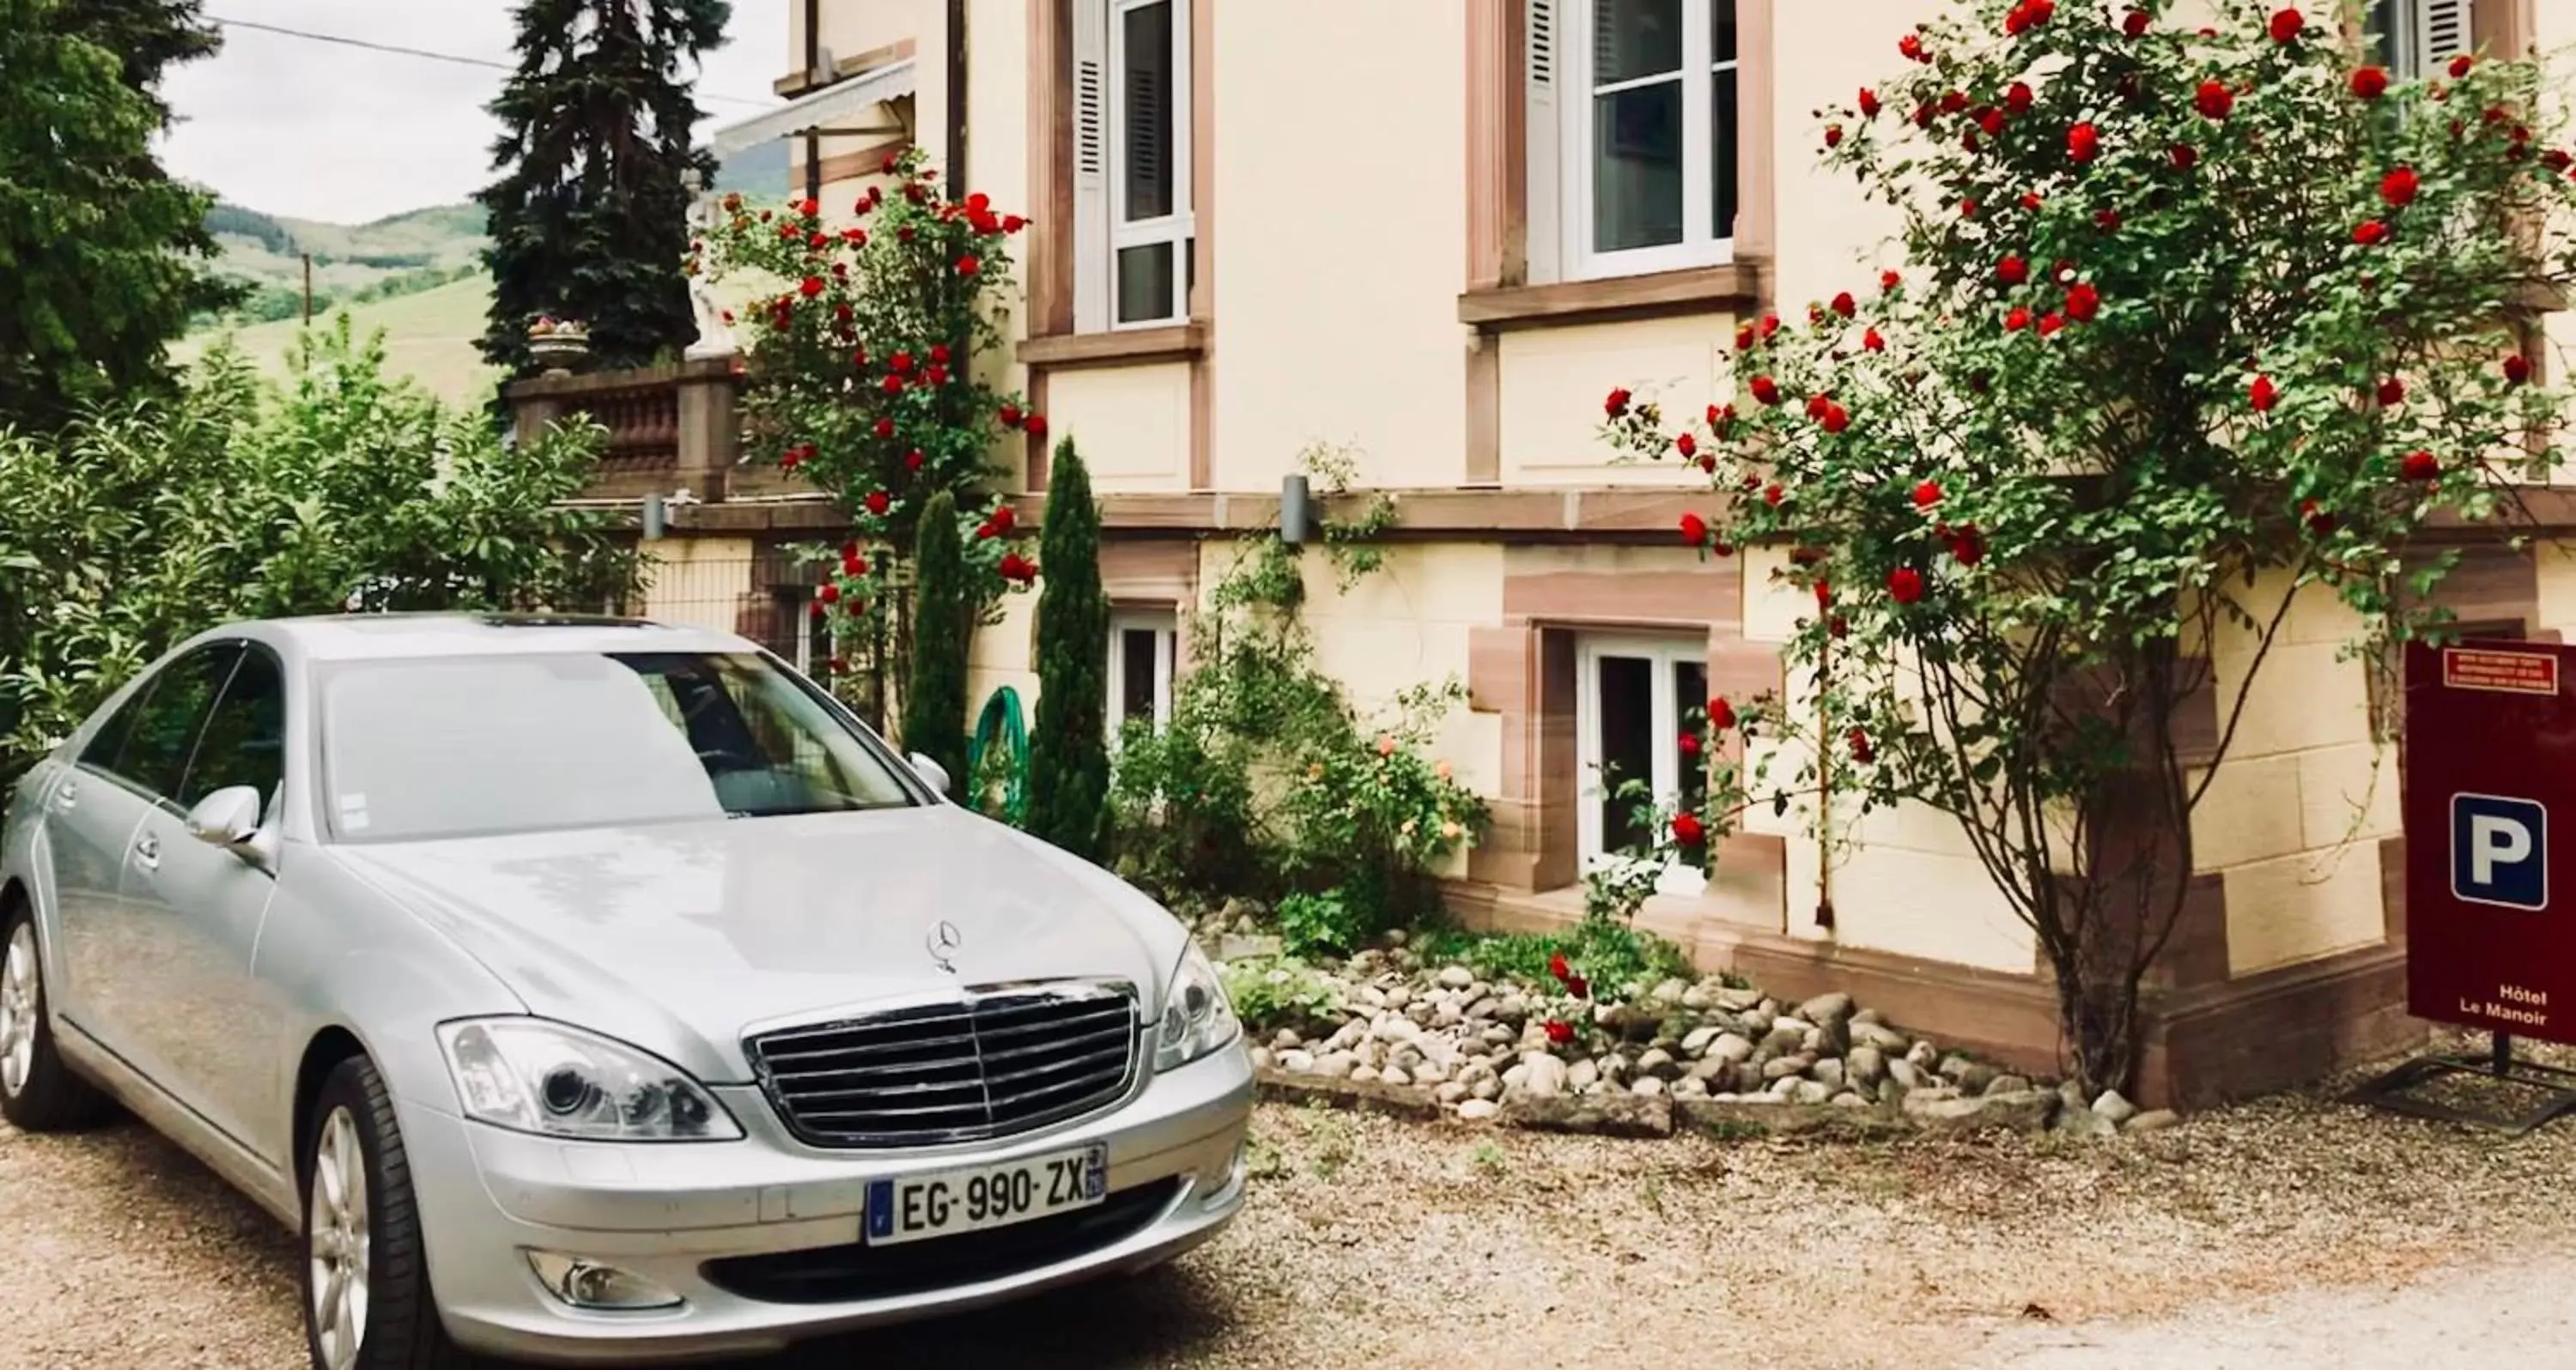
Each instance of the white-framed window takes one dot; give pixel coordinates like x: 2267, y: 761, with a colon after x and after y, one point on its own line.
x: 1633, y: 124
x: 1633, y: 700
x: 1133, y: 226
x: 2418, y: 38
x: 809, y: 634
x: 1142, y: 643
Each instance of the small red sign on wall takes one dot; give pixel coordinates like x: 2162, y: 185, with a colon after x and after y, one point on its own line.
x: 2490, y: 799
x: 2472, y: 668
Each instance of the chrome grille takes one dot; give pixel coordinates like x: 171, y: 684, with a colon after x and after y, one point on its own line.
x: 965, y: 1067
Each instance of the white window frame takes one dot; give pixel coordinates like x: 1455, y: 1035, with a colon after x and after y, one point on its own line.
x: 1165, y: 625
x: 1101, y: 231
x: 1665, y: 653
x: 807, y: 627
x: 1561, y: 118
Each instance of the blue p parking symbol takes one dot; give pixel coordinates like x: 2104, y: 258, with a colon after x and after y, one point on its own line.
x: 2499, y: 851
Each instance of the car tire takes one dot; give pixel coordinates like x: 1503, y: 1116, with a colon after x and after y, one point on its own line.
x: 362, y: 1238
x: 38, y: 1091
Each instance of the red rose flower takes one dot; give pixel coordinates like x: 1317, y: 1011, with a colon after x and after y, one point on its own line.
x: 2012, y: 271
x: 1688, y: 744
x: 1911, y: 47
x: 893, y: 384
x: 2421, y: 466
x: 2017, y: 320
x: 2369, y: 83
x: 812, y: 286
x: 1860, y: 748
x: 1835, y: 418
x: 2287, y: 25
x: 1579, y: 987
x: 1868, y: 103
x: 829, y: 594
x: 1744, y: 338
x: 1037, y: 425
x: 1557, y: 968
x: 939, y: 353
x: 1992, y: 121
x: 1773, y: 493
x: 1721, y: 714
x: 968, y: 265
x: 1833, y: 135
x: 1844, y: 304
x: 1967, y: 209
x: 1816, y: 404
x: 2398, y: 187
x: 2183, y: 154
x: 1926, y: 494
x: 2460, y: 66
x: 884, y: 428
x: 2320, y: 523
x: 2083, y: 302
x: 1559, y: 1032
x: 878, y: 503
x: 1889, y: 280
x: 2517, y: 369
x: 1967, y: 546
x: 888, y: 165
x: 1694, y: 530
x: 2370, y: 233
x: 2214, y: 100
x: 900, y: 361
x: 1013, y: 223
x: 912, y: 460
x: 2264, y: 394
x: 1765, y: 389
x: 2017, y: 97
x: 1905, y: 585
x: 1005, y: 517
x: 2557, y: 159
x: 2392, y: 391
x: 1687, y: 445
x: 1010, y: 416
x: 1688, y: 830
x: 2083, y: 143
x: 2050, y: 323
x: 1770, y: 326
x: 2031, y: 201
x: 1954, y: 101
x: 2134, y: 23
x: 852, y: 564
x: 1871, y: 341
x: 1614, y: 406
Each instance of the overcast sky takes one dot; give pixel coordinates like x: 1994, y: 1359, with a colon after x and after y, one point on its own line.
x: 321, y: 131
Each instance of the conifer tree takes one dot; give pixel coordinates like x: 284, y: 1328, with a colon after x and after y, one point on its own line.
x: 943, y: 628
x: 590, y: 214
x: 1069, y: 751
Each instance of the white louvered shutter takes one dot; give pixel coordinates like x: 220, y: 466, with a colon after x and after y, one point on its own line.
x: 2442, y: 32
x: 1545, y: 212
x: 1090, y: 165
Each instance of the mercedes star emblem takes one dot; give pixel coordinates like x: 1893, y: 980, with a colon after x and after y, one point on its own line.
x: 945, y: 942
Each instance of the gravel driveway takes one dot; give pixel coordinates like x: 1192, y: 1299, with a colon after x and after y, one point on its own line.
x: 1377, y: 1243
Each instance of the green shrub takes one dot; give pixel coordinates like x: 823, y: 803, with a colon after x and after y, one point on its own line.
x: 1270, y: 993
x: 943, y: 617
x: 1613, y: 956
x: 1321, y: 924
x: 1069, y: 750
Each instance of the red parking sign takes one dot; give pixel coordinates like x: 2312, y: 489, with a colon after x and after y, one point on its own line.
x: 2490, y: 800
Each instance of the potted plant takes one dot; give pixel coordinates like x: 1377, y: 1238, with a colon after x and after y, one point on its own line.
x: 559, y: 345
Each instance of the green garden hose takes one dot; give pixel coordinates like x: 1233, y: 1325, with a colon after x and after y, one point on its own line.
x: 1002, y: 722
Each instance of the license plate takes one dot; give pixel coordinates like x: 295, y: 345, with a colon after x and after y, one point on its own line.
x: 943, y: 1203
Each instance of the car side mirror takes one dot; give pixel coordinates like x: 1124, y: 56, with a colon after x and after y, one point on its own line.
x: 228, y: 818
x: 932, y: 772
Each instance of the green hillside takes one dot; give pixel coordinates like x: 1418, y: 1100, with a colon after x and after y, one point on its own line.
x: 429, y: 335
x: 420, y: 250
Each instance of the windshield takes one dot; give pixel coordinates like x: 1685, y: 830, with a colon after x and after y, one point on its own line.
x: 468, y: 746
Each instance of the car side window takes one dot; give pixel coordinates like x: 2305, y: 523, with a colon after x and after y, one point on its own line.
x: 244, y: 740
x: 154, y: 756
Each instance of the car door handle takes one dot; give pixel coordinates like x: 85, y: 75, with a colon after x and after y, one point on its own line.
x: 67, y: 796
x: 147, y: 852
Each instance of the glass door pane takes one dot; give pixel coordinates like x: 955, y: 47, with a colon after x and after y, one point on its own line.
x: 1637, y: 115
x: 1136, y: 668
x: 1690, y: 692
x: 1626, y: 686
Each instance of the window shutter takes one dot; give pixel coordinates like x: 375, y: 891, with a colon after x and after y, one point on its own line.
x: 1090, y: 165
x: 2442, y: 32
x: 1544, y: 215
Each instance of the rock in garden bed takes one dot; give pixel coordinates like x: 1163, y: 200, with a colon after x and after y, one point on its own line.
x: 1389, y: 1031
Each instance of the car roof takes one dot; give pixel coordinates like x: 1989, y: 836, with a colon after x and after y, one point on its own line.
x: 357, y: 637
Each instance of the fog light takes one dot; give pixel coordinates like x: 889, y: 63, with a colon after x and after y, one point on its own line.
x: 585, y: 1283
x: 1236, y: 1171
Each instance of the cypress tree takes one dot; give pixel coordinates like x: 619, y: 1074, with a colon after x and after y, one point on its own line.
x: 1069, y: 749
x: 590, y: 214
x: 943, y: 627
x: 106, y: 258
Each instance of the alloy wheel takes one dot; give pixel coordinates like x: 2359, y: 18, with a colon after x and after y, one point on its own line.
x: 21, y: 1007
x: 336, y: 1220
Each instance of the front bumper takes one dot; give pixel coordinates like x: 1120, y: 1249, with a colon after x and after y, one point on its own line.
x: 486, y: 1196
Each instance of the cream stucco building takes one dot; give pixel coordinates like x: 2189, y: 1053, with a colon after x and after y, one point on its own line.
x: 1435, y: 233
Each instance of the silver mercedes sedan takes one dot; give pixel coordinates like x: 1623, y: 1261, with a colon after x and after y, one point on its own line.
x: 588, y: 991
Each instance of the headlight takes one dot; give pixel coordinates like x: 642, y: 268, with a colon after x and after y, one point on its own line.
x: 536, y: 1076
x: 1196, y: 1018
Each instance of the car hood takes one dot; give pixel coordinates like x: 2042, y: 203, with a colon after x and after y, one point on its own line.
x: 676, y: 937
